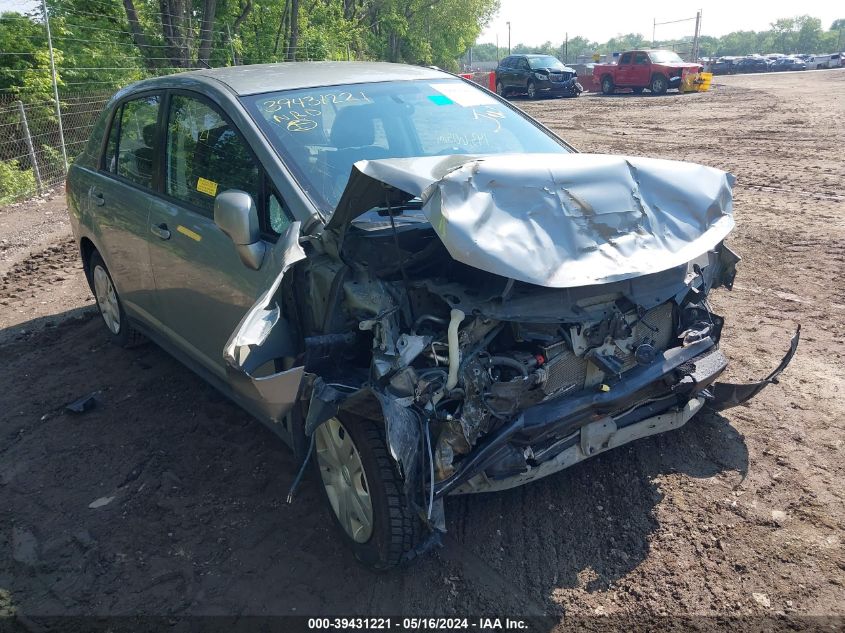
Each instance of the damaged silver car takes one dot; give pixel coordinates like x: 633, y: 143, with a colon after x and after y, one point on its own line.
x: 419, y: 288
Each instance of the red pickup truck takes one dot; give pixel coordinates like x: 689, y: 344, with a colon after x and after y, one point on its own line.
x: 657, y: 71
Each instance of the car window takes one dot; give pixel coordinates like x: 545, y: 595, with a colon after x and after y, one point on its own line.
x: 110, y: 158
x: 523, y: 64
x: 640, y: 58
x: 279, y: 215
x: 506, y: 62
x: 546, y: 61
x: 205, y: 155
x: 129, y: 152
x: 625, y: 59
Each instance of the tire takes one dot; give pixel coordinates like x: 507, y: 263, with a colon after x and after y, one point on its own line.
x: 531, y: 89
x: 637, y: 91
x: 607, y: 87
x: 393, y: 529
x: 109, y: 305
x: 501, y: 90
x: 659, y: 85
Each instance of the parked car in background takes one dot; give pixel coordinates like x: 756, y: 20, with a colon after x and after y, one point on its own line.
x: 818, y: 62
x: 654, y: 70
x: 751, y: 65
x: 789, y: 63
x: 536, y: 76
x: 836, y: 60
x: 405, y: 278
x: 723, y: 66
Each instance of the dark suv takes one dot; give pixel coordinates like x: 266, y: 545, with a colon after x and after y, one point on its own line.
x: 751, y: 65
x: 536, y: 75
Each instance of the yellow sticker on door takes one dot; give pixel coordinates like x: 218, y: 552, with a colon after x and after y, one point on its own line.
x: 184, y: 230
x: 208, y: 187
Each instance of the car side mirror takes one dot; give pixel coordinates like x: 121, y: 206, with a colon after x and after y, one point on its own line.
x: 237, y: 216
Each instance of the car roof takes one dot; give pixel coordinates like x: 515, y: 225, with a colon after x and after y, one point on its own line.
x: 258, y: 78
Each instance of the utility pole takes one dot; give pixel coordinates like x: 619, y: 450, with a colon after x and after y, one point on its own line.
x: 566, y: 47
x: 654, y: 33
x: 55, y: 82
x: 509, y: 38
x: 696, y: 36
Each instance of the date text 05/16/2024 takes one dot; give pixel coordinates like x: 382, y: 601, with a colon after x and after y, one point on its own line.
x: 417, y: 624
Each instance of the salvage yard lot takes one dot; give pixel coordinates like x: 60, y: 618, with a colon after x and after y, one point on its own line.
x: 734, y: 514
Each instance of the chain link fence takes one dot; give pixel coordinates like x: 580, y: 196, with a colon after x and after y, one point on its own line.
x: 39, y: 136
x: 31, y: 151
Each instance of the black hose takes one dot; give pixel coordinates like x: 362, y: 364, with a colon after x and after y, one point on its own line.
x: 509, y: 362
x: 428, y: 317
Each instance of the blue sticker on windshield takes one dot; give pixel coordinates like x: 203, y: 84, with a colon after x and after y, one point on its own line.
x: 441, y: 99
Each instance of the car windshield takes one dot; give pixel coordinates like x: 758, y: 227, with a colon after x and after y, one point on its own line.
x: 320, y: 132
x: 546, y: 61
x: 665, y: 57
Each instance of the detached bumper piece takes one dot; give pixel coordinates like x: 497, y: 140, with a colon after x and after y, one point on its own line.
x: 567, y: 88
x: 727, y: 395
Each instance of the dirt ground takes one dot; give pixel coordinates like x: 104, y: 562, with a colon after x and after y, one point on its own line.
x: 740, y: 514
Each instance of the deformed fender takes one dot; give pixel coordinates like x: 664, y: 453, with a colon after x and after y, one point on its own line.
x: 727, y: 395
x: 256, y: 325
x: 263, y: 335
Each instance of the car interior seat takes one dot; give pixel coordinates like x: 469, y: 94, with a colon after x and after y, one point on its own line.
x: 353, y: 135
x: 144, y: 154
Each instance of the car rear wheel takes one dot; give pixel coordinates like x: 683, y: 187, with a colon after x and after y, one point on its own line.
x: 500, y: 89
x: 365, y: 492
x: 532, y: 90
x: 108, y: 303
x: 659, y: 85
x: 607, y: 87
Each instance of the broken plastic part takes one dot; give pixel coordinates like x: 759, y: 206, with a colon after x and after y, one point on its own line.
x: 727, y: 395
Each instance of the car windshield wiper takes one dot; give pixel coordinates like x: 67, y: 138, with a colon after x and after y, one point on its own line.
x: 415, y: 204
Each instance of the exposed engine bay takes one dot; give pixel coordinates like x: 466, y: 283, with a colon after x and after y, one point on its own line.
x: 488, y: 367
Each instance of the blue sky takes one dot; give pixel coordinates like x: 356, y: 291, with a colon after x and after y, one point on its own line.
x: 537, y: 21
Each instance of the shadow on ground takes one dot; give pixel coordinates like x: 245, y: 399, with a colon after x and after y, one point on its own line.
x: 167, y: 499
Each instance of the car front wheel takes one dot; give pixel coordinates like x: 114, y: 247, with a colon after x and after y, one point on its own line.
x: 108, y: 303
x: 365, y: 492
x: 532, y: 90
x: 659, y: 85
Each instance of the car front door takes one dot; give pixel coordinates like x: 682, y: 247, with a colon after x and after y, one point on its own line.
x: 203, y: 288
x: 640, y: 70
x: 119, y: 196
x: 624, y: 70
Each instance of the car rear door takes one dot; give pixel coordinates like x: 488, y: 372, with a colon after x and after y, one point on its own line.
x: 203, y: 287
x: 503, y: 72
x: 119, y: 198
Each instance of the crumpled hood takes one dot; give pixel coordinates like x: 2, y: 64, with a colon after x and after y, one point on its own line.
x: 556, y: 220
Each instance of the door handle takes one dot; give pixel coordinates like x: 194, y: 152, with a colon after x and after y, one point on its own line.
x: 99, y: 200
x: 160, y: 231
